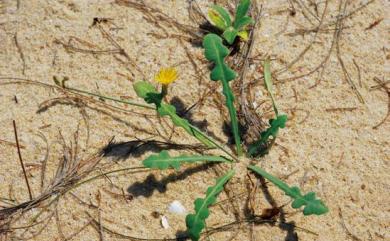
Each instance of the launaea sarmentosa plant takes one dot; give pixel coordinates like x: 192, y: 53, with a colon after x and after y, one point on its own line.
x: 221, y: 18
x: 216, y: 53
x: 196, y: 222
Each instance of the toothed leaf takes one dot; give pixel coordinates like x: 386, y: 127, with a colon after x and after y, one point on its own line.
x: 216, y: 52
x: 196, y: 222
x: 309, y: 201
x: 261, y: 146
x: 163, y: 161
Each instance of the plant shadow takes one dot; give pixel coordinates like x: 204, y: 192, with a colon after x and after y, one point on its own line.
x: 186, y: 113
x: 289, y: 227
x: 120, y: 151
x: 147, y: 187
x: 227, y: 130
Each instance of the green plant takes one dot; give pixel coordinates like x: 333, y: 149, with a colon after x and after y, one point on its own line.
x: 220, y: 17
x: 312, y: 205
x: 216, y: 52
x: 147, y: 91
x: 163, y: 161
x: 261, y: 147
x: 196, y: 222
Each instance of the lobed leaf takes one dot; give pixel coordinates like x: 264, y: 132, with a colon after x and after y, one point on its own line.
x: 196, y: 222
x: 261, y: 147
x: 163, y: 161
x: 309, y: 201
x: 216, y: 52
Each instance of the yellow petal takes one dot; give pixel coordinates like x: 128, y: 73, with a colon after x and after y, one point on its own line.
x: 166, y: 76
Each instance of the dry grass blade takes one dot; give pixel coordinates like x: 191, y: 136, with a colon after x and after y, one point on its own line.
x: 21, y: 160
x: 70, y: 171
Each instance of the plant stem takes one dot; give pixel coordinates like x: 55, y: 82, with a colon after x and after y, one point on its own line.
x: 214, y: 142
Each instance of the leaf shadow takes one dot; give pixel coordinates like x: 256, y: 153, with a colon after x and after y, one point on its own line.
x: 120, y: 151
x: 147, y: 187
x: 289, y: 227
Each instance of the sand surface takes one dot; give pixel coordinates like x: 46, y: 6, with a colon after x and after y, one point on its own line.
x: 330, y: 145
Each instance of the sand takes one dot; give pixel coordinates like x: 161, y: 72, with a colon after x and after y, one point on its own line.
x: 330, y: 145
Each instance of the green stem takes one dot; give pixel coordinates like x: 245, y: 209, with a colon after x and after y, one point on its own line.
x: 192, y: 130
x: 214, y: 142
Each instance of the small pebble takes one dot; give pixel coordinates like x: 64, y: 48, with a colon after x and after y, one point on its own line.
x: 177, y: 208
x: 164, y: 222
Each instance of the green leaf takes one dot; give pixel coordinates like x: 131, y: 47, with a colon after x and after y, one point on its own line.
x: 163, y: 161
x: 147, y: 91
x: 309, y: 201
x: 219, y: 17
x: 241, y: 23
x: 230, y: 34
x: 242, y: 9
x: 170, y: 110
x: 218, y: 20
x: 216, y: 52
x: 261, y: 147
x: 268, y: 83
x: 143, y: 88
x: 196, y: 222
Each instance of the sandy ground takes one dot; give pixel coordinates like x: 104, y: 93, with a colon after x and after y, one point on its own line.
x: 335, y: 152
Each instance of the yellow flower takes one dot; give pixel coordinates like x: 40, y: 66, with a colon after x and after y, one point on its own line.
x: 166, y: 76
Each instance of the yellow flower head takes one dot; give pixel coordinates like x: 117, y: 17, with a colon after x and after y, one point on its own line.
x: 166, y: 76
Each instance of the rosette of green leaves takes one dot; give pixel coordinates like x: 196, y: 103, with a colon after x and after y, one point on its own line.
x: 220, y: 17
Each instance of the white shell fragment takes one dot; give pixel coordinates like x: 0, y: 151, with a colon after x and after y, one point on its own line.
x: 177, y: 208
x: 164, y: 222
